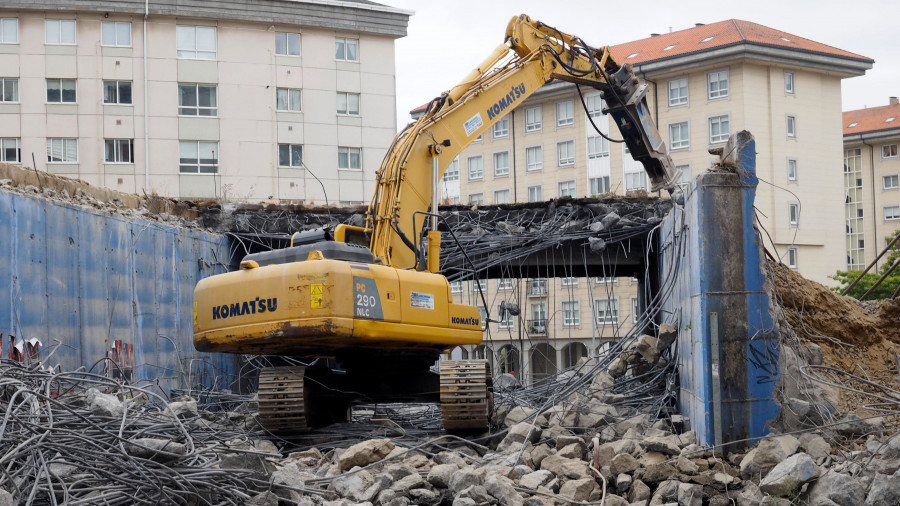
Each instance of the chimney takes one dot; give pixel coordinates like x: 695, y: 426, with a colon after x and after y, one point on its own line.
x: 699, y: 24
x: 894, y: 101
x: 654, y: 35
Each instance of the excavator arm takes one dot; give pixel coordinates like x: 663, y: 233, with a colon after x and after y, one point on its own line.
x: 532, y: 55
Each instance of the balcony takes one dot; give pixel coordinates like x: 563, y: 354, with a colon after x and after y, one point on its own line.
x: 537, y: 288
x: 537, y: 327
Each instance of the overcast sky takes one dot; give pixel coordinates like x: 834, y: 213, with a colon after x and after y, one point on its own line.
x: 448, y: 38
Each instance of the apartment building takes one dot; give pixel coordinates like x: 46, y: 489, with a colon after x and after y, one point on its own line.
x: 202, y: 99
x: 705, y: 83
x: 871, y: 181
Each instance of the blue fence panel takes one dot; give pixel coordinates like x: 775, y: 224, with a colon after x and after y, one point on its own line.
x: 87, y: 279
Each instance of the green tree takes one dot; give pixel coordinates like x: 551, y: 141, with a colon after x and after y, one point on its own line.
x: 885, y: 289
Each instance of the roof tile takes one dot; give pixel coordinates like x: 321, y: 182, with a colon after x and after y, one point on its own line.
x: 872, y: 119
x: 715, y: 35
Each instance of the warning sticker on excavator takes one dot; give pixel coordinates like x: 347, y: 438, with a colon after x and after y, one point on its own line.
x: 421, y: 300
x: 474, y: 123
x: 316, y: 294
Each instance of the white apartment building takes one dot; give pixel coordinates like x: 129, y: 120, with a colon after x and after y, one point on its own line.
x: 871, y: 181
x: 242, y: 100
x: 706, y: 83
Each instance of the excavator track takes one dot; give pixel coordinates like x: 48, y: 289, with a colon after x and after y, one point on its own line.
x: 466, y: 398
x: 283, y: 399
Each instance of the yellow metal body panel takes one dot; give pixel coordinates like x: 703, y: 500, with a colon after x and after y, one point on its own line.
x: 319, y: 307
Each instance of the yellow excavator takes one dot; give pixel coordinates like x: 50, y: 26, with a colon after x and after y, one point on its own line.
x: 371, y: 298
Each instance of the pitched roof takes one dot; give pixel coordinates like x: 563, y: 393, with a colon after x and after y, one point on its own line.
x: 717, y: 35
x: 873, y: 119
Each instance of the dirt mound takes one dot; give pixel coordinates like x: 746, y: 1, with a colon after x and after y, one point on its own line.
x: 817, y: 312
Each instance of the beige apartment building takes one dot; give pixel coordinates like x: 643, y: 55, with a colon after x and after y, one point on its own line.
x: 202, y: 99
x: 871, y: 185
x: 706, y: 83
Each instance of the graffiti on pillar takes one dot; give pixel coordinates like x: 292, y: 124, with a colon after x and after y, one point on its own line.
x: 120, y: 361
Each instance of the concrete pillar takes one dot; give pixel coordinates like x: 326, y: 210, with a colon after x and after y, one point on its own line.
x: 727, y: 344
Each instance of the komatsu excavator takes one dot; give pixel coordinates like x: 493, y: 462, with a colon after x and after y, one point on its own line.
x: 371, y: 298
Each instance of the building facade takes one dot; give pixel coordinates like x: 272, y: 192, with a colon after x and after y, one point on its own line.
x: 872, y: 189
x: 202, y: 99
x: 705, y: 83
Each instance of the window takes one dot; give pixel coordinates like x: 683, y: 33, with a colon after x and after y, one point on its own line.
x: 476, y: 199
x: 534, y: 158
x: 599, y: 185
x: 889, y: 151
x: 794, y: 214
x: 567, y: 188
x: 197, y: 100
x: 594, y: 104
x: 685, y: 178
x: 792, y: 257
x: 61, y: 91
x: 539, y: 318
x: 287, y: 99
x: 501, y: 163
x: 501, y: 128
x: 678, y: 92
x: 568, y: 281
x: 346, y: 49
x: 348, y: 103
x: 890, y: 182
x: 456, y: 287
x: 571, y: 316
x: 635, y: 181
x: 59, y: 31
x: 607, y: 310
x: 792, y: 126
x: 635, y: 310
x: 501, y: 197
x: 598, y: 147
x: 62, y: 150
x: 533, y: 119
x: 479, y: 138
x: 9, y: 31
x: 717, y: 84
x: 479, y: 285
x: 119, y: 150
x: 290, y: 155
x: 719, y: 129
x: 892, y: 213
x: 679, y: 135
x: 537, y: 286
x: 565, y: 114
x: 349, y: 158
x: 535, y: 193
x: 10, y: 151
x: 115, y: 33
x: 452, y: 172
x: 606, y: 280
x: 198, y: 157
x: 792, y: 169
x: 196, y: 42
x: 565, y: 153
x: 506, y: 320
x: 789, y: 83
x: 287, y: 44
x: 476, y: 167
x: 117, y: 92
x: 505, y: 284
x: 9, y: 89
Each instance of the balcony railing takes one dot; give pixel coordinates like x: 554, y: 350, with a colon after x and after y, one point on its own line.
x: 537, y: 327
x: 537, y: 289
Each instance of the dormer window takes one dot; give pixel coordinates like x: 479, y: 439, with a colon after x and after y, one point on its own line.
x: 711, y: 37
x: 632, y: 55
x: 669, y: 47
x: 851, y: 125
